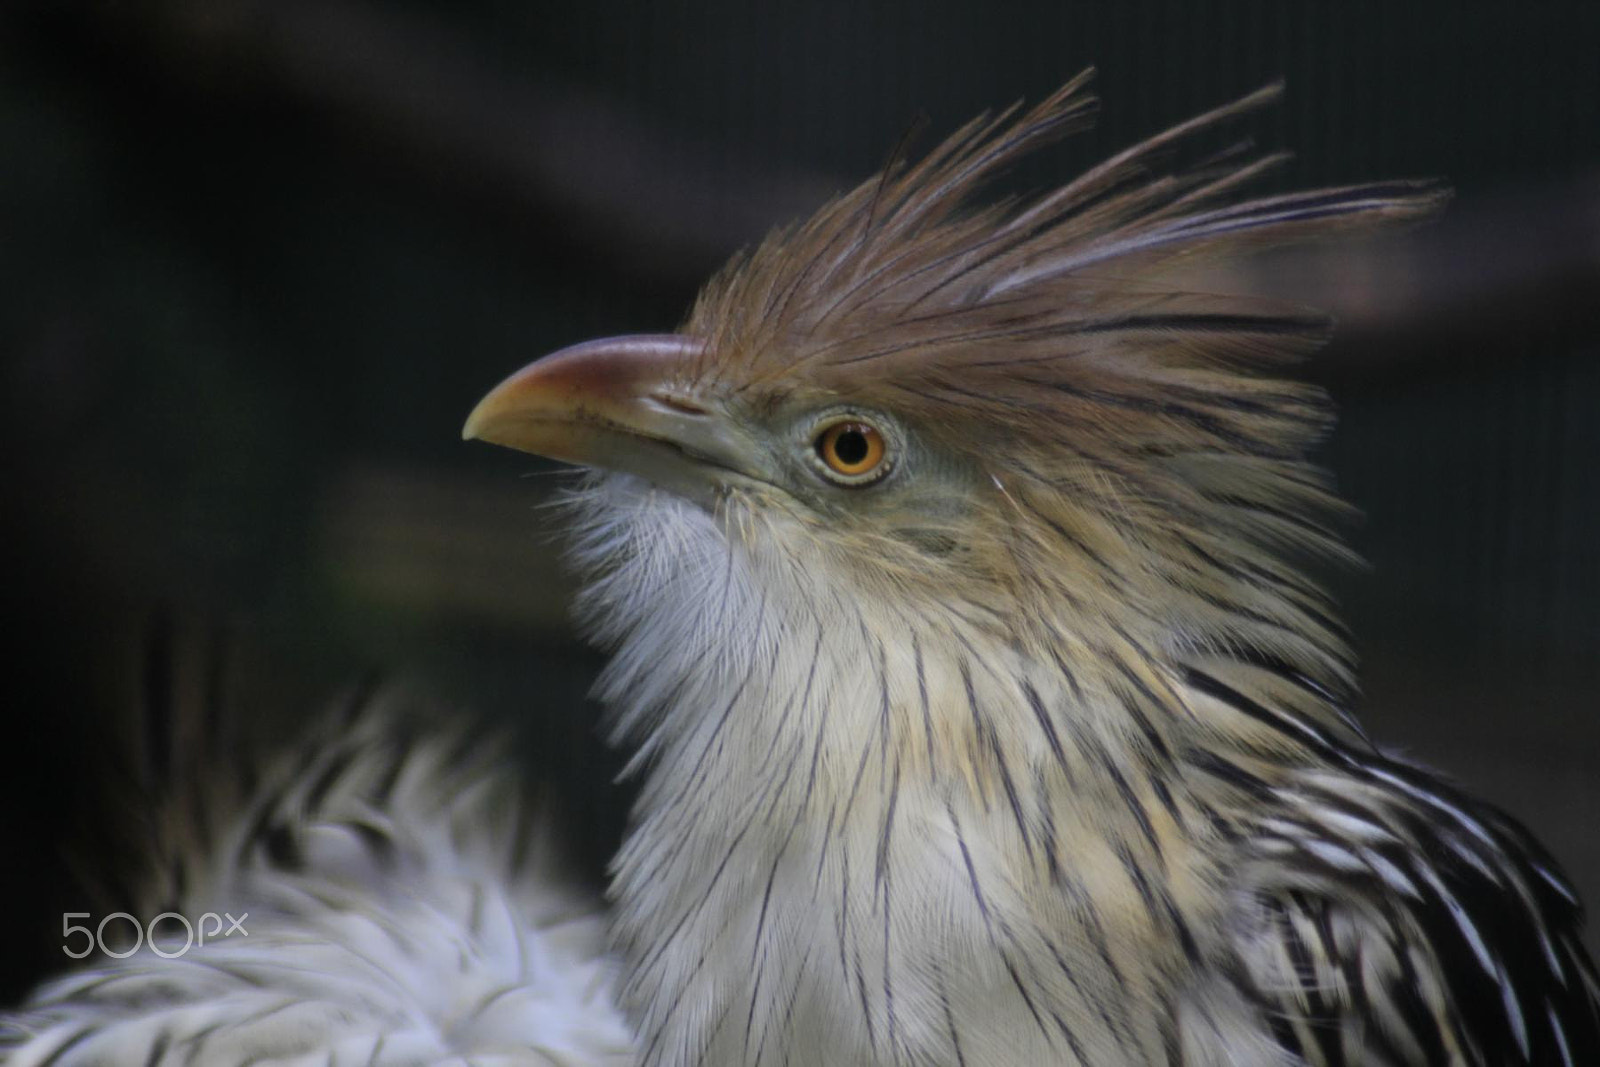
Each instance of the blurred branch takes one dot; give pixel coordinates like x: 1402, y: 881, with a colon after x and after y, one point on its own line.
x: 432, y: 543
x: 1513, y: 265
x: 623, y: 192
x: 636, y: 196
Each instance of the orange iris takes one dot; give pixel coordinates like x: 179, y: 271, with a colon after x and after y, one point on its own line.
x: 852, y: 449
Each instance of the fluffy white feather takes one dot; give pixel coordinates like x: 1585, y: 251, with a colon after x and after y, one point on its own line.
x: 401, y: 910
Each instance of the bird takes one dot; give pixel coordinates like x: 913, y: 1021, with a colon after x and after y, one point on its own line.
x: 956, y: 564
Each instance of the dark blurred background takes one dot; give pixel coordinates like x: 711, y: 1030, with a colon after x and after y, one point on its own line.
x: 260, y: 258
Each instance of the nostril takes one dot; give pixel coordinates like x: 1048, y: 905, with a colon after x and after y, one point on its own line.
x: 679, y: 403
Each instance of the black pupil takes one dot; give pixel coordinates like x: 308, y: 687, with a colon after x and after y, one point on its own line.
x: 850, y: 446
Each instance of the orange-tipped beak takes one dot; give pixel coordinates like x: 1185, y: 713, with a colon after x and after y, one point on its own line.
x: 611, y: 403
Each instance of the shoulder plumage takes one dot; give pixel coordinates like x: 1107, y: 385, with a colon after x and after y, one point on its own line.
x: 1399, y: 920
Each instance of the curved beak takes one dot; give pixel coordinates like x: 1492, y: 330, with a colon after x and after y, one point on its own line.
x: 613, y: 403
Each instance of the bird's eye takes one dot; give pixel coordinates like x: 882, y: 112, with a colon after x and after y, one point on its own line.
x: 852, y: 452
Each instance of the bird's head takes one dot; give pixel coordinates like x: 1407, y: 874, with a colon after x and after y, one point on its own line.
x: 1008, y: 415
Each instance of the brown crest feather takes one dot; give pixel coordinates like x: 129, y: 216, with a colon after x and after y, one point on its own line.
x: 903, y: 269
